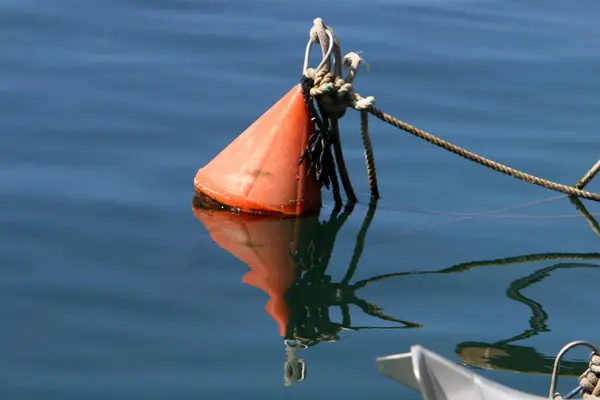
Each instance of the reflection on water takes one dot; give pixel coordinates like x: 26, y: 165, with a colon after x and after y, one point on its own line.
x: 504, y: 354
x: 289, y: 257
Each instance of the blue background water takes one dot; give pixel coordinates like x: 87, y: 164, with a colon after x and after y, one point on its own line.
x: 111, y: 288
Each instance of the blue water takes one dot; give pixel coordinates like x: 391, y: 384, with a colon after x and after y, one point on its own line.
x: 111, y: 288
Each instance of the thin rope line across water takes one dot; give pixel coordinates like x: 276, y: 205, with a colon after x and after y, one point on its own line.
x: 496, y: 166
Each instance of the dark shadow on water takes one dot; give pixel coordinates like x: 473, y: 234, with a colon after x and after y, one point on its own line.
x: 289, y: 257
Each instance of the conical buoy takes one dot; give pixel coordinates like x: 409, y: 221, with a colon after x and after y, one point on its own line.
x: 266, y: 245
x: 258, y: 172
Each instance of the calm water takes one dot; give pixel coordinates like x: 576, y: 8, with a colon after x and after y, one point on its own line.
x: 112, y: 288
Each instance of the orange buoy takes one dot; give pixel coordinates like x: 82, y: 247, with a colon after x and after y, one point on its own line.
x: 258, y: 172
x: 266, y: 245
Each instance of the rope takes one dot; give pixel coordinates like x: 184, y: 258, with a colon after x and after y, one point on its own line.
x: 496, y: 166
x: 369, y: 157
x: 589, y: 380
x: 318, y: 148
x: 335, y: 94
x: 589, y: 176
x: 339, y: 159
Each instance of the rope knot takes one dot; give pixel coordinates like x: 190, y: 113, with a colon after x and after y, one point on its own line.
x: 324, y: 86
x: 334, y: 93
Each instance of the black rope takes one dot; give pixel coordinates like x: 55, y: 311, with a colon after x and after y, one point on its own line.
x: 318, y: 151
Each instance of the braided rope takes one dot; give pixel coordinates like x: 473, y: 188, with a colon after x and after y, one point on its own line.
x: 336, y: 94
x: 589, y: 381
x: 588, y: 176
x: 496, y: 166
x: 369, y: 156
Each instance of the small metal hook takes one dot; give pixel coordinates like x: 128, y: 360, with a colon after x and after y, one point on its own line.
x: 558, y: 359
x: 325, y: 58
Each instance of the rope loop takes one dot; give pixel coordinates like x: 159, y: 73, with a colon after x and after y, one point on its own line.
x: 326, y: 54
x: 333, y: 94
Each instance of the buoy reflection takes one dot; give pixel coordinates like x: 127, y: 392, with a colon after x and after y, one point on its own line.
x: 288, y: 260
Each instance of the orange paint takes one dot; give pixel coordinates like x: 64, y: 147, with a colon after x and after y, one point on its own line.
x: 258, y: 172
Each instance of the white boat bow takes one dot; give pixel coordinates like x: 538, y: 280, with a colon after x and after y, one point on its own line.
x: 437, y: 378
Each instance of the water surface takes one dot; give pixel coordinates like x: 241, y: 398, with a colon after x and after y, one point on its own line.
x: 112, y: 288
